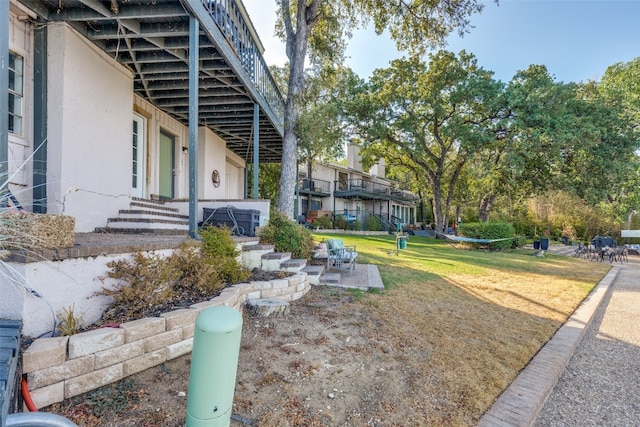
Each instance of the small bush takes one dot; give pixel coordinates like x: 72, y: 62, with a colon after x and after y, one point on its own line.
x: 150, y: 282
x: 146, y: 282
x: 340, y: 223
x: 287, y: 236
x: 322, y: 222
x: 195, y: 271
x: 220, y: 250
x: 518, y: 242
x: 488, y: 230
x: 373, y: 223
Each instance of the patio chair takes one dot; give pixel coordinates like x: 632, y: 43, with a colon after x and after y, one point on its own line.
x: 341, y: 257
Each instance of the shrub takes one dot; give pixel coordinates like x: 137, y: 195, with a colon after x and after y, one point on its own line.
x: 287, y: 236
x: 70, y: 324
x: 488, y: 230
x: 196, y: 271
x: 219, y: 249
x: 373, y: 223
x: 150, y: 282
x: 340, y: 223
x: 322, y: 222
x: 518, y: 242
x: 146, y: 282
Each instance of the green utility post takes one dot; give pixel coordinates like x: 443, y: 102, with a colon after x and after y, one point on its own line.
x: 214, y: 363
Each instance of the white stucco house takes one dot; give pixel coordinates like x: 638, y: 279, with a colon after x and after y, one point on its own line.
x: 127, y: 115
x: 113, y: 101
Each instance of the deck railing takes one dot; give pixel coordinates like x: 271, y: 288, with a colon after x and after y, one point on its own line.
x: 227, y: 16
x: 314, y: 185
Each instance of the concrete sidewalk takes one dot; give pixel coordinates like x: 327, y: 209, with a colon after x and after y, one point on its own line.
x: 523, y: 402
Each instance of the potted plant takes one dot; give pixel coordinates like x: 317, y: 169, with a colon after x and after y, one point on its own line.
x: 544, y: 243
x: 536, y: 242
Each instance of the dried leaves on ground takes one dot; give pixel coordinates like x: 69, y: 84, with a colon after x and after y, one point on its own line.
x: 435, y: 352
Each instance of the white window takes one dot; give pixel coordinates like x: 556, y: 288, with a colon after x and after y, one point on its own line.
x: 16, y: 93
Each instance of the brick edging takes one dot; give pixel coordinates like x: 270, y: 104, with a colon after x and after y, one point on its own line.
x: 62, y: 367
x: 521, y: 402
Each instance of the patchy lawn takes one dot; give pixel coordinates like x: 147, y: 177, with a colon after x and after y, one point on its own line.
x: 452, y: 330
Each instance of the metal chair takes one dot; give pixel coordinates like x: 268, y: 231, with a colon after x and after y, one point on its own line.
x: 341, y: 257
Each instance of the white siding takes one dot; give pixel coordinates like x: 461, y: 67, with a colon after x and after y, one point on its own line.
x: 90, y: 100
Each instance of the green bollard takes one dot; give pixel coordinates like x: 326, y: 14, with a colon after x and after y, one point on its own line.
x: 214, y: 363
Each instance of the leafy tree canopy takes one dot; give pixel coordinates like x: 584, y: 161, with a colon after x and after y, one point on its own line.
x: 428, y: 119
x: 320, y: 28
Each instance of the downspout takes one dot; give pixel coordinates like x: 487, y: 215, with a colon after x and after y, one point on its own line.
x: 193, y: 125
x: 4, y: 102
x: 40, y: 105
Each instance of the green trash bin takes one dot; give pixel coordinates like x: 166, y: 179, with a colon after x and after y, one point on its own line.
x: 402, y: 242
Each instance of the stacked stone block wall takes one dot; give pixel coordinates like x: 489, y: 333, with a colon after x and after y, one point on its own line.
x: 62, y: 367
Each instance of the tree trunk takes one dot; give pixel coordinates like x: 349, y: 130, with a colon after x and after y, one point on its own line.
x: 297, y: 43
x: 289, y: 159
x: 439, y: 215
x: 485, y: 208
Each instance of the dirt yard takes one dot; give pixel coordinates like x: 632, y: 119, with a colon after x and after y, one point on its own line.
x: 434, y: 350
x: 329, y: 362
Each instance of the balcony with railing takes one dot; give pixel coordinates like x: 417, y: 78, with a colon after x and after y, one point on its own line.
x: 362, y: 189
x: 228, y: 16
x: 314, y: 187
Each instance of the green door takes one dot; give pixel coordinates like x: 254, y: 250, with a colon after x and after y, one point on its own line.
x: 167, y: 165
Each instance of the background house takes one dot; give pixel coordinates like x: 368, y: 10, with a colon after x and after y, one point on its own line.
x: 355, y: 194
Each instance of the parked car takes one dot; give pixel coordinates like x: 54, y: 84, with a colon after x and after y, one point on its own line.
x: 347, y: 217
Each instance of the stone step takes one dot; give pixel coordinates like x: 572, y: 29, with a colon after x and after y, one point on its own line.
x: 330, y: 278
x: 313, y: 273
x: 150, y: 214
x: 260, y: 247
x: 271, y: 261
x: 151, y: 205
x: 252, y: 255
x: 131, y: 230
x: 142, y: 223
x: 293, y: 265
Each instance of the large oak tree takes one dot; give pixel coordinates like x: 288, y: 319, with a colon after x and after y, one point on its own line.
x: 430, y: 119
x: 317, y: 29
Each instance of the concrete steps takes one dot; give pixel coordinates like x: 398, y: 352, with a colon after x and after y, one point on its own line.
x: 273, y: 260
x: 148, y: 216
x: 265, y: 258
x: 252, y: 255
x: 293, y: 265
x: 314, y: 273
x: 331, y: 278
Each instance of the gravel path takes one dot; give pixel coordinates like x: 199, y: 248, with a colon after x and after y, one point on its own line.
x: 601, y: 384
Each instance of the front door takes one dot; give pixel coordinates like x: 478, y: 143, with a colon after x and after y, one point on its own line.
x: 167, y: 165
x: 138, y: 157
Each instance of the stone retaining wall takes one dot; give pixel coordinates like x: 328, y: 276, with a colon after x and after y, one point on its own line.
x: 62, y: 367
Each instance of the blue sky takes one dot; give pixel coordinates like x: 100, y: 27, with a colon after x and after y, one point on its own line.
x: 576, y: 39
